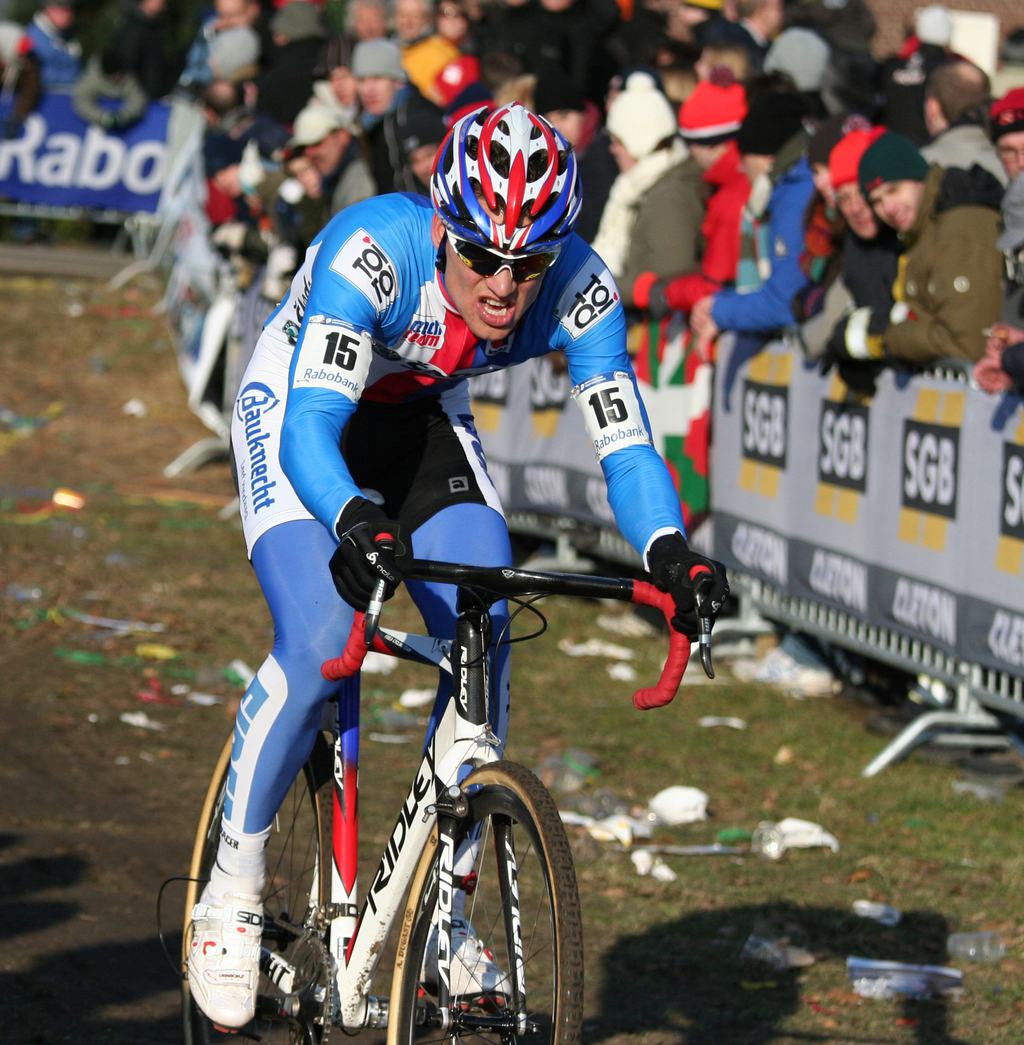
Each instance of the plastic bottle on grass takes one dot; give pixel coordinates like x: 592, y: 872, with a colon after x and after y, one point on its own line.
x: 976, y: 947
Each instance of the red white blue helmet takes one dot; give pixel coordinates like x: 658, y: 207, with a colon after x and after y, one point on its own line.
x: 517, y: 164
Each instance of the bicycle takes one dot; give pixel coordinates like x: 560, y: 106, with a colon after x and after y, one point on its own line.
x: 320, y: 950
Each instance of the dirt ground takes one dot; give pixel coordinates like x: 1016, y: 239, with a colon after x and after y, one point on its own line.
x: 96, y: 813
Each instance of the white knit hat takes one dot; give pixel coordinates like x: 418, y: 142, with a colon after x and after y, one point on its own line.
x: 641, y: 116
x: 934, y: 25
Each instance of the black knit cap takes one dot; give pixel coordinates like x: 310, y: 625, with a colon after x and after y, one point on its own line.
x: 555, y: 90
x: 772, y: 119
x: 893, y: 157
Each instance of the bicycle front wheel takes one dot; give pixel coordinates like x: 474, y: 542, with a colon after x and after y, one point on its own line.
x: 522, y: 903
x: 298, y: 881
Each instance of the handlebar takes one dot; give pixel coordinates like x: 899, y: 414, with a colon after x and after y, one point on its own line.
x: 499, y: 581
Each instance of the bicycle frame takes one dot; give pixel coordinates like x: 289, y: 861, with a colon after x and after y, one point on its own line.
x: 462, y: 741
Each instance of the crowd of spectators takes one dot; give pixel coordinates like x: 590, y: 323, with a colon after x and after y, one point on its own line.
x: 748, y: 165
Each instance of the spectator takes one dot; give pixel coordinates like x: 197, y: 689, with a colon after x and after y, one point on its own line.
x: 572, y: 34
x: 772, y: 142
x: 1007, y: 121
x: 424, y: 51
x: 366, y: 19
x: 420, y: 131
x: 637, y: 38
x: 235, y: 54
x: 651, y: 223
x: 870, y: 263
x: 383, y: 91
x: 227, y: 14
x: 106, y: 95
x: 337, y: 90
x: 694, y: 21
x: 1011, y: 243
x: 948, y: 292
x: 804, y: 57
x: 557, y: 98
x: 905, y: 75
x: 454, y: 25
x: 824, y: 228
x: 139, y: 38
x: 284, y: 87
x: 1001, y: 368
x: 846, y: 27
x: 334, y: 148
x: 956, y: 97
x: 229, y: 116
x: 728, y: 56
x: 51, y: 37
x: 709, y: 121
x: 758, y: 23
x: 20, y: 80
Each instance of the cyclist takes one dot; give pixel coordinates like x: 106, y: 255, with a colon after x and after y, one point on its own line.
x: 353, y: 432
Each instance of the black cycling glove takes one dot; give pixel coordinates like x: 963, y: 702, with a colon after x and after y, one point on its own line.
x: 687, y: 576
x: 371, y: 550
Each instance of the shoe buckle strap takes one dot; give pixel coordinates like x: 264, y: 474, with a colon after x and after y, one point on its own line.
x: 228, y: 914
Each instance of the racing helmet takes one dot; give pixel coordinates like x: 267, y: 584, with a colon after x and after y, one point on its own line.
x: 517, y: 164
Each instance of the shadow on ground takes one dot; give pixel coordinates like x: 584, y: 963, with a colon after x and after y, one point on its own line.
x: 685, y: 981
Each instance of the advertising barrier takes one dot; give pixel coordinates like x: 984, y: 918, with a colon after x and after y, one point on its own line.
x: 59, y: 160
x: 904, y: 510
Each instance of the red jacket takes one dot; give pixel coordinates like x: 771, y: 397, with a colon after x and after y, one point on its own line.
x: 720, y: 230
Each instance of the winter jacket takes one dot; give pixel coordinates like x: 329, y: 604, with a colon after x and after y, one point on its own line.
x: 903, y: 80
x: 948, y: 290
x: 287, y: 84
x: 772, y: 250
x: 384, y: 136
x: 666, y: 234
x: 60, y: 58
x: 140, y: 43
x: 965, y: 145
x: 720, y: 233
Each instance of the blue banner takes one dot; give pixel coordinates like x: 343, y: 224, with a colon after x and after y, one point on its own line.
x: 60, y: 160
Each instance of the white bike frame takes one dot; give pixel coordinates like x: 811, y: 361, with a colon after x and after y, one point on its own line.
x: 457, y: 746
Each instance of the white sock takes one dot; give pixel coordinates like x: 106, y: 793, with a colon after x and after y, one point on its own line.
x: 241, y: 864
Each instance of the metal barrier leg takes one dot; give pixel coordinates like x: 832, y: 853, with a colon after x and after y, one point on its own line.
x: 196, y: 456
x: 921, y: 729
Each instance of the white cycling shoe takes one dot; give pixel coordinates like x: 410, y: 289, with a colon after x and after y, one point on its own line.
x: 224, y: 958
x: 474, y: 972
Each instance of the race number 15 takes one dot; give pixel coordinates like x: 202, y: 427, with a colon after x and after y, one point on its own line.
x: 608, y: 406
x: 340, y: 350
x: 611, y: 410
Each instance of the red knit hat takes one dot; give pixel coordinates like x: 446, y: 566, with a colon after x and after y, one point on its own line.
x: 1007, y: 113
x: 455, y: 77
x: 713, y: 112
x: 844, y: 159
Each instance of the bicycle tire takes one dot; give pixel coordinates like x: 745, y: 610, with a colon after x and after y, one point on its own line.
x: 298, y: 855
x: 506, y: 801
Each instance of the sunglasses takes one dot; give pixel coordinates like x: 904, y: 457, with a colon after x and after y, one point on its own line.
x: 485, y: 262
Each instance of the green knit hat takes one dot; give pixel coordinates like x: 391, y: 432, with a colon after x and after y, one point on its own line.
x: 892, y: 157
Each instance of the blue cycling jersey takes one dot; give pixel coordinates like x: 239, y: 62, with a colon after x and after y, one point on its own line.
x: 368, y: 316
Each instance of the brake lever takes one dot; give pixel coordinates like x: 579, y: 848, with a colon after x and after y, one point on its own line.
x: 705, y: 621
x: 373, y: 612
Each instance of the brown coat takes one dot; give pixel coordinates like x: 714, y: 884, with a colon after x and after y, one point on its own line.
x: 950, y: 279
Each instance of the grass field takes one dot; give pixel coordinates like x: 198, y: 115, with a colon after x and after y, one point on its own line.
x: 663, y: 958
